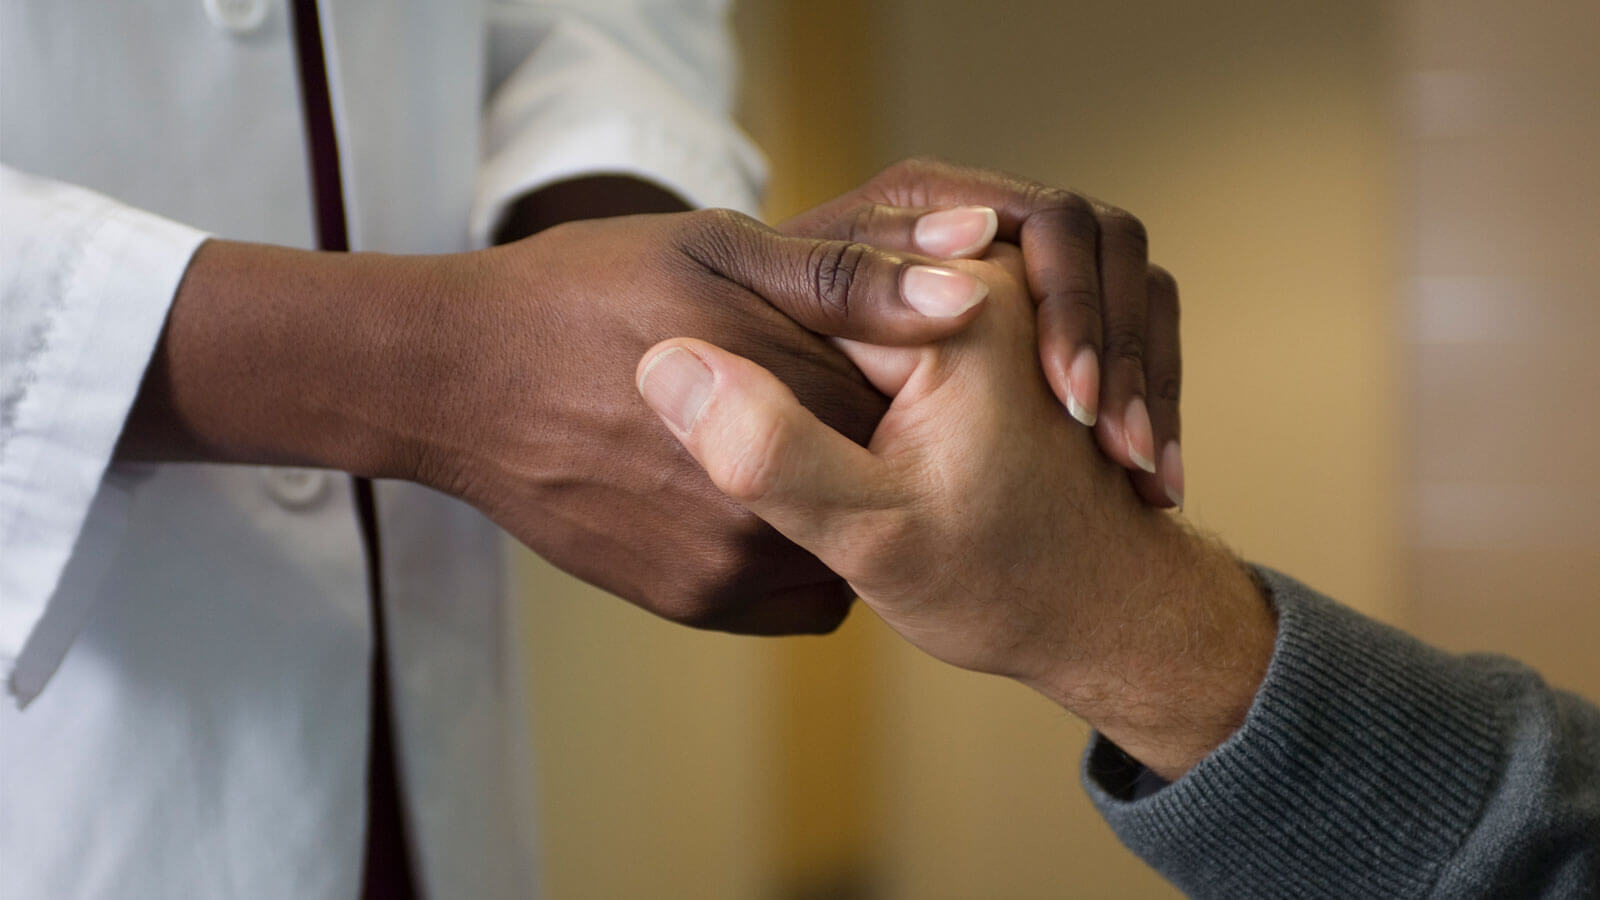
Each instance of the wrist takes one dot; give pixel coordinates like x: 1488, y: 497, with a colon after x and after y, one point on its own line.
x: 1183, y: 641
x: 272, y: 355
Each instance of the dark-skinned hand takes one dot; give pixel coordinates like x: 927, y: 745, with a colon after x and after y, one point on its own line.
x: 504, y: 377
x: 1107, y: 318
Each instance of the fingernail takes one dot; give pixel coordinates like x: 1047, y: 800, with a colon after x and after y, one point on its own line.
x: 1136, y: 431
x: 1172, y: 473
x: 677, y: 385
x: 941, y: 293
x: 956, y: 232
x: 1083, y: 387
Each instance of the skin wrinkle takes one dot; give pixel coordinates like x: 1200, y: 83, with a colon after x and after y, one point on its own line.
x: 833, y: 267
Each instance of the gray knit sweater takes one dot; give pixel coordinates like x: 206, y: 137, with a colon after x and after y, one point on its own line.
x: 1373, y: 765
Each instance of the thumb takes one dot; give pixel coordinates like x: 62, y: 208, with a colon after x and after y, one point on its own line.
x: 758, y: 444
x: 847, y: 289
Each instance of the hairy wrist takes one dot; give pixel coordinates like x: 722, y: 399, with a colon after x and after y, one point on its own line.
x: 1178, y: 645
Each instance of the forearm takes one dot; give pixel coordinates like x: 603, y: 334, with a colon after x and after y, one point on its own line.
x: 272, y: 355
x: 279, y: 356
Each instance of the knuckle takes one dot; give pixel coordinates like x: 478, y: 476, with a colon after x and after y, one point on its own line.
x: 1082, y: 303
x: 1161, y: 292
x: 1073, y: 302
x: 1162, y: 283
x: 1125, y: 341
x: 867, y: 221
x: 755, y: 469
x: 712, y: 236
x: 719, y: 219
x: 908, y: 182
x: 1125, y: 229
x: 1083, y: 298
x: 1168, y: 388
x: 913, y: 167
x: 834, y: 267
x: 1071, y: 209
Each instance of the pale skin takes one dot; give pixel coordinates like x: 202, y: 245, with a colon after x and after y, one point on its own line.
x: 984, y: 526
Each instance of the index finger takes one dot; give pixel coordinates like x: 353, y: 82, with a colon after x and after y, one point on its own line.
x: 843, y: 289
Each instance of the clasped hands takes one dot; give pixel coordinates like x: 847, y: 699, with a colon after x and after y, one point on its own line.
x: 879, y: 413
x: 574, y: 465
x: 985, y: 527
x: 926, y: 453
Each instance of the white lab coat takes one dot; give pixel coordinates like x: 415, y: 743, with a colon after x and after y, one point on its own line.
x: 187, y: 646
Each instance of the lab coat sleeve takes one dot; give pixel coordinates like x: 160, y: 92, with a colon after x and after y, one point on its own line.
x: 85, y: 285
x: 635, y: 87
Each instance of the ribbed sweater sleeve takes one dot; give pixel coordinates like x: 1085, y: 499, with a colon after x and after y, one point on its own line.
x: 1373, y: 765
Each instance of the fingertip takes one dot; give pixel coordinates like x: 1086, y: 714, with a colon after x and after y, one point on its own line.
x: 1126, y: 437
x: 649, y: 359
x: 941, y: 293
x: 1138, y: 435
x: 1083, y: 387
x: 1162, y: 489
x: 1075, y: 408
x: 1172, y: 473
x: 676, y: 383
x: 1074, y: 369
x: 964, y: 231
x: 1150, y: 489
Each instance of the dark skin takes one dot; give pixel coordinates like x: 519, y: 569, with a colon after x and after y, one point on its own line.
x: 821, y: 599
x: 1107, y: 317
x: 504, y: 377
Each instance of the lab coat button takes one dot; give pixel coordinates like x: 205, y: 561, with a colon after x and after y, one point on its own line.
x: 297, y: 488
x: 237, y: 16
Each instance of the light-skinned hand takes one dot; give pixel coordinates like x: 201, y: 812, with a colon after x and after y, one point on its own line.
x: 986, y: 527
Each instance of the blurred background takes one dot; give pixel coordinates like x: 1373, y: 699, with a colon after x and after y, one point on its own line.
x: 1383, y: 218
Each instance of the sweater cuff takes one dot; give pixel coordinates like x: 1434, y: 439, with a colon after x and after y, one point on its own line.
x: 1358, y: 771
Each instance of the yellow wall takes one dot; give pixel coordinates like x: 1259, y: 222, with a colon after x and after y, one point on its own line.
x: 1501, y: 134
x: 651, y: 781
x: 1255, y: 143
x: 1254, y: 140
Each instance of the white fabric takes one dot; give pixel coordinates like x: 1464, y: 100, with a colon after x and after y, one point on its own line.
x: 108, y: 273
x: 188, y: 645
